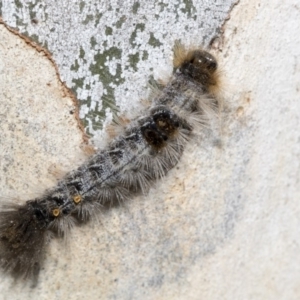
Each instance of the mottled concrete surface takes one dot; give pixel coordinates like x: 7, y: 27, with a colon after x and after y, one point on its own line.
x: 33, y: 103
x: 225, y: 224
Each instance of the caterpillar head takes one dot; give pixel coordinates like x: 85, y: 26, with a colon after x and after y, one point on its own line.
x: 200, y: 66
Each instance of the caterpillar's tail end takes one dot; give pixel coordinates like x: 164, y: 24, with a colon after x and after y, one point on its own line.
x: 22, y: 241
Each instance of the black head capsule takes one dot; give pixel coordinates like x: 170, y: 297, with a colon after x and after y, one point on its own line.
x: 205, y: 60
x: 153, y: 135
x: 200, y: 66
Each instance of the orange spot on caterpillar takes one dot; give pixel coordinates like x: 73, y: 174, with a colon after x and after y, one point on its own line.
x: 77, y: 199
x: 56, y: 212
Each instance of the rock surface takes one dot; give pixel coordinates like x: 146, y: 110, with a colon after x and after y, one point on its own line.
x: 225, y: 224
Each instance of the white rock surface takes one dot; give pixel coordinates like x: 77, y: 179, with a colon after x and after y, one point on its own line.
x: 225, y: 224
x: 105, y: 49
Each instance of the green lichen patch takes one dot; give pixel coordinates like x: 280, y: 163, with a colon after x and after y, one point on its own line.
x: 19, y: 23
x: 97, y: 17
x: 108, y: 30
x: 18, y: 4
x: 93, y: 42
x: 81, y: 6
x: 145, y: 55
x: 133, y: 60
x: 81, y: 53
x: 138, y: 27
x: 135, y: 7
x: 75, y: 66
x: 120, y: 22
x: 107, y: 79
x: 189, y: 8
x: 78, y: 84
x: 162, y: 6
x: 154, y: 42
x: 88, y: 19
x: 34, y: 38
x: 100, y: 58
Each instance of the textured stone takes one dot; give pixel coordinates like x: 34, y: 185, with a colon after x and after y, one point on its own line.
x: 225, y: 223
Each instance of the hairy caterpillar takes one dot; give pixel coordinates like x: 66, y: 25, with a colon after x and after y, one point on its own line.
x: 147, y: 149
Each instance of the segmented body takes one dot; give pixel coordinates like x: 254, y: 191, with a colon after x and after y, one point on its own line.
x: 149, y: 147
x: 143, y: 153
